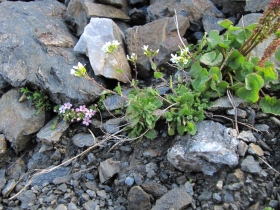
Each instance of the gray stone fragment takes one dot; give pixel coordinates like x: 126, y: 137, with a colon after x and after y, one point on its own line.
x: 113, y: 125
x: 72, y: 206
x: 207, y: 151
x: 132, y: 2
x: 210, y: 23
x: 234, y: 186
x: 129, y: 181
x: 50, y: 136
x: 205, y: 196
x: 250, y: 165
x: 48, y: 177
x: 108, y: 169
x: 61, y: 207
x: 217, y: 198
x: 223, y: 103
x: 240, y: 113
x: 256, y: 5
x: 83, y: 140
x: 262, y: 127
x: 115, y: 101
x: 155, y: 189
x: 219, y: 185
x: 102, y: 194
x: 242, y: 148
x: 274, y: 204
x: 138, y: 199
x: 2, y: 179
x: 3, y: 146
x: 89, y: 205
x: 27, y: 197
x: 177, y: 198
x: 247, y: 136
x: 8, y: 188
x: 96, y: 34
x: 18, y: 120
x: 255, y: 150
x: 115, y: 3
x: 189, y: 188
x: 230, y: 7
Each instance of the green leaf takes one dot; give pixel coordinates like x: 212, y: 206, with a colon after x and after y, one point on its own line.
x: 267, y: 73
x: 216, y: 71
x: 195, y: 70
x: 211, y: 58
x: 214, y: 39
x: 158, y: 75
x: 171, y: 129
x: 234, y: 28
x: 154, y: 66
x: 235, y: 60
x: 191, y: 128
x: 270, y: 105
x: 247, y: 68
x: 119, y: 70
x: 151, y: 134
x: 225, y: 44
x: 118, y: 89
x: 277, y: 54
x: 225, y: 23
x: 180, y: 128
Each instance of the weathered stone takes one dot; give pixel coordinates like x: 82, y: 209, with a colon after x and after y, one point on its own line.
x: 18, y: 120
x: 113, y: 125
x: 116, y: 102
x: 250, y: 165
x: 96, y: 34
x: 3, y: 146
x: 115, y: 3
x: 160, y: 34
x: 256, y: 5
x: 89, y: 205
x: 132, y: 2
x: 207, y: 151
x: 2, y: 179
x: 108, y: 169
x: 37, y: 49
x: 61, y: 207
x: 176, y: 198
x: 210, y: 23
x: 255, y: 150
x: 230, y: 7
x: 242, y: 148
x: 240, y: 113
x: 137, y: 16
x: 138, y: 199
x: 155, y: 189
x: 219, y: 185
x: 50, y: 136
x: 26, y: 198
x: 83, y: 140
x: 8, y: 188
x: 224, y: 103
x: 39, y: 161
x: 247, y: 136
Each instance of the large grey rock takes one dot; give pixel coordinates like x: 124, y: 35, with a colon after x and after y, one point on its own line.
x: 79, y: 13
x: 18, y: 120
x: 212, y: 147
x: 36, y: 48
x: 138, y: 199
x: 230, y: 7
x: 108, y: 169
x: 256, y: 5
x: 192, y: 9
x: 177, y: 198
x: 96, y: 34
x: 160, y: 34
x: 48, y: 135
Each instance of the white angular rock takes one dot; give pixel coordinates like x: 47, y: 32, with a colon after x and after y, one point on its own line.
x: 96, y: 34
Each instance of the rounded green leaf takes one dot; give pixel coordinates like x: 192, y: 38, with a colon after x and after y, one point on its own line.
x: 225, y: 23
x: 158, y: 75
x: 211, y: 58
x: 270, y: 105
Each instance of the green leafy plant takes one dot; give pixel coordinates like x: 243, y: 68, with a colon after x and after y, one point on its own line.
x: 39, y: 99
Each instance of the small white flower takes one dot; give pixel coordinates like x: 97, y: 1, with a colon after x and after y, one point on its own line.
x: 110, y: 47
x: 145, y: 47
x: 175, y: 58
x: 73, y: 72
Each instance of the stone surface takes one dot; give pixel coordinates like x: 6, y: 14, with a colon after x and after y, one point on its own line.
x: 255, y: 150
x: 108, y: 169
x: 210, y: 23
x: 138, y: 199
x: 207, y: 151
x: 113, y: 125
x: 83, y: 140
x: 247, y: 136
x: 96, y: 34
x: 160, y: 34
x: 27, y: 197
x: 230, y: 7
x: 155, y: 189
x: 3, y: 146
x: 176, y: 198
x: 36, y: 48
x: 250, y: 165
x: 8, y: 188
x: 115, y: 3
x: 18, y: 120
x: 115, y: 101
x: 50, y: 136
x: 240, y: 113
x: 256, y: 5
x: 242, y: 148
x: 224, y: 103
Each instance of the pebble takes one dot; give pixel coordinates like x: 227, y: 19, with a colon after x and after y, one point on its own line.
x: 255, y: 150
x: 219, y: 185
x: 129, y: 181
x: 61, y: 207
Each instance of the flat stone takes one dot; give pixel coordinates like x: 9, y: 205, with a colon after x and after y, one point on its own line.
x: 255, y: 150
x: 8, y: 188
x: 242, y: 148
x: 26, y: 198
x: 113, y: 125
x: 2, y: 178
x: 177, y: 198
x: 250, y: 165
x: 223, y: 103
x: 240, y: 113
x: 210, y: 23
x: 219, y: 185
x: 247, y: 136
x: 256, y: 5
x: 155, y: 189
x: 89, y: 205
x: 61, y: 207
x: 138, y: 199
x: 83, y: 140
x: 108, y: 169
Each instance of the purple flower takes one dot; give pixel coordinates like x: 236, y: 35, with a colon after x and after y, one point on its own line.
x: 62, y: 109
x: 77, y: 109
x: 86, y: 121
x: 90, y: 113
x: 83, y: 108
x: 67, y: 105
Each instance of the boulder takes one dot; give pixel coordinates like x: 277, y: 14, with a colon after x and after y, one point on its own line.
x: 256, y: 5
x: 79, y: 13
x: 96, y: 34
x: 160, y: 34
x: 211, y: 148
x: 36, y: 48
x: 18, y: 119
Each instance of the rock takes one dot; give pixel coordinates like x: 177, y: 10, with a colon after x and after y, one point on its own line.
x: 151, y: 168
x: 223, y: 103
x: 217, y: 198
x: 176, y: 198
x: 189, y: 188
x: 3, y: 146
x: 219, y: 185
x: 83, y: 140
x: 18, y: 120
x: 193, y: 10
x: 113, y: 125
x: 262, y: 127
x: 250, y: 165
x: 240, y: 113
x: 108, y: 169
x: 205, y: 196
x: 50, y: 136
x: 96, y: 34
x: 89, y: 205
x: 37, y: 29
x: 256, y: 5
x: 155, y: 189
x: 2, y: 179
x: 102, y: 194
x: 39, y: 161
x: 8, y: 188
x: 247, y: 136
x: 129, y: 181
x: 115, y: 101
x: 115, y: 3
x: 234, y: 186
x: 138, y: 199
x: 26, y: 198
x: 255, y: 150
x: 242, y: 148
x: 230, y: 7
x: 48, y: 177
x: 274, y: 204
x: 160, y: 34
x: 207, y: 151
x: 137, y: 16
x: 210, y: 23
x: 132, y: 2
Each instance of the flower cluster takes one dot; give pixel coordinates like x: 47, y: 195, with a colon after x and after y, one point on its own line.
x: 110, y: 47
x: 181, y: 59
x: 149, y: 53
x: 79, y: 71
x: 82, y: 113
x: 132, y: 58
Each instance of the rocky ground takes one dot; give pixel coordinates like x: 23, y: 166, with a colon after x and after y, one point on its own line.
x: 69, y: 168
